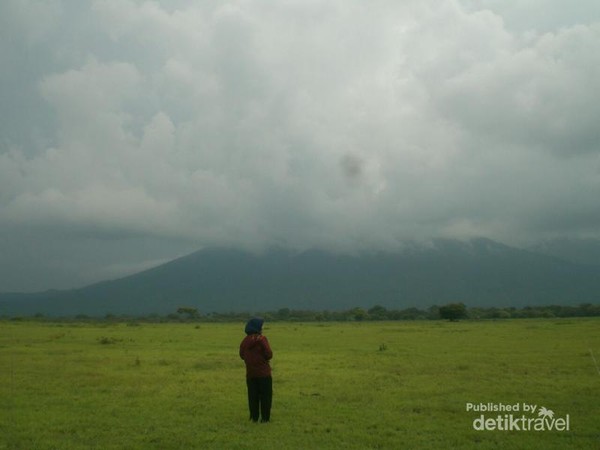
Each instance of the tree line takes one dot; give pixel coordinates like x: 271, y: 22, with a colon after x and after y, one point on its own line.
x: 450, y: 311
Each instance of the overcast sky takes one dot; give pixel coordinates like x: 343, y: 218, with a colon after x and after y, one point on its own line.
x: 134, y: 132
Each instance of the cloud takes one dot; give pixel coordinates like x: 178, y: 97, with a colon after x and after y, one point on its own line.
x: 341, y: 125
x: 30, y: 21
x: 537, y: 96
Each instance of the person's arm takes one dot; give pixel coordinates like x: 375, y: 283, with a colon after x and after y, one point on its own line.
x: 267, y: 352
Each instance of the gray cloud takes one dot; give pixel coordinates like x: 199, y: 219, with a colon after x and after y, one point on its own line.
x: 341, y: 125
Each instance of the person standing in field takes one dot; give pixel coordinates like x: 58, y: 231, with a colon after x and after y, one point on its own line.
x: 256, y: 353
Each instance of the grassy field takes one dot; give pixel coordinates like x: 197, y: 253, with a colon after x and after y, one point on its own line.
x: 336, y: 385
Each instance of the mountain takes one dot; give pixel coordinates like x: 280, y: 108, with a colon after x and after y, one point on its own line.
x: 582, y: 251
x: 479, y: 272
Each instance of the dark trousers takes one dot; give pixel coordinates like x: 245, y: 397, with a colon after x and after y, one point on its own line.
x: 260, y: 397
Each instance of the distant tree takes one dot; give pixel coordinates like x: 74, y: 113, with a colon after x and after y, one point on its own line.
x: 269, y: 317
x: 378, y: 312
x: 358, y: 314
x: 283, y: 314
x: 503, y: 314
x: 411, y: 314
x: 453, y: 311
x: 192, y: 313
x: 433, y: 312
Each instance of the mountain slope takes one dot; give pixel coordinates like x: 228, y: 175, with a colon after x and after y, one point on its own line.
x: 479, y: 272
x: 581, y: 251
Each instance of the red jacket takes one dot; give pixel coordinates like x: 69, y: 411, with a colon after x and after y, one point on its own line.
x: 256, y: 353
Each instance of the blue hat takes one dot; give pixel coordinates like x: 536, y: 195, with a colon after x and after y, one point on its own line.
x: 254, y: 325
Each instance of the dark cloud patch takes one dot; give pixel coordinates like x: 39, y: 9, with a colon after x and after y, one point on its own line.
x: 352, y: 168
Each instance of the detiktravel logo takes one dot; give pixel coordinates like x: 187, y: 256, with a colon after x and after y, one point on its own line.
x: 516, y: 417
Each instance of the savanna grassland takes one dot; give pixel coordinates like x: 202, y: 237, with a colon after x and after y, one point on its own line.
x: 336, y: 385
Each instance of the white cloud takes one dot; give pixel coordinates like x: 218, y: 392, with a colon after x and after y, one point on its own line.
x: 541, y: 95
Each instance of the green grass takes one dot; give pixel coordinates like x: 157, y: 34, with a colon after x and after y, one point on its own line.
x: 336, y: 385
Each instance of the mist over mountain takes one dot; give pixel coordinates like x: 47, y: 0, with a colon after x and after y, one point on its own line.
x: 479, y: 272
x: 581, y: 251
